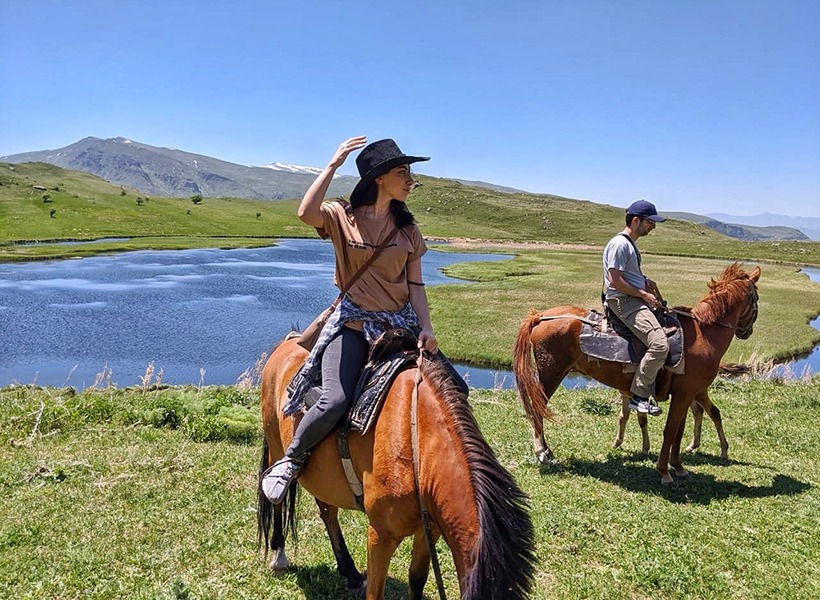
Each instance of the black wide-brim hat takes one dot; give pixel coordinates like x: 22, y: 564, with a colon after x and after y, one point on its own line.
x: 377, y: 159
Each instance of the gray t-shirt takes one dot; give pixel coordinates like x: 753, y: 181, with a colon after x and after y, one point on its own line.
x: 620, y: 254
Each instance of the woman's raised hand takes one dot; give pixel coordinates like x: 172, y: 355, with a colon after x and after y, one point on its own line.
x: 345, y: 148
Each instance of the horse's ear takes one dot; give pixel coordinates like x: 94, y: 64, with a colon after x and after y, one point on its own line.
x: 755, y: 275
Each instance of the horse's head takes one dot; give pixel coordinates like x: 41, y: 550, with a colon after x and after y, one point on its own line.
x: 746, y: 321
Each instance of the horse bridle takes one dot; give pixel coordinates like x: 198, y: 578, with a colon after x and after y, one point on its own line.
x: 746, y: 321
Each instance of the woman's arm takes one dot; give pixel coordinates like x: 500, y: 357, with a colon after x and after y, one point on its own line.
x: 310, y: 208
x: 418, y: 300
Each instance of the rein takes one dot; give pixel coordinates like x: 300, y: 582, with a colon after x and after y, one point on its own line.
x: 688, y: 313
x: 425, y: 516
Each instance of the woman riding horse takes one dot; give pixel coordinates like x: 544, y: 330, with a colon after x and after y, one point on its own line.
x: 424, y: 450
x: 390, y: 292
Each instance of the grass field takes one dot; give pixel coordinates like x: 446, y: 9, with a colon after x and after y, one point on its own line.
x: 479, y: 322
x: 150, y: 493
x: 125, y: 494
x: 87, y: 208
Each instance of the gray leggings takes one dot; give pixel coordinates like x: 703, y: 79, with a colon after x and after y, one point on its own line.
x: 342, y: 363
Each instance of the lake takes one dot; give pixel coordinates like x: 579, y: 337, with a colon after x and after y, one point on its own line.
x: 200, y: 316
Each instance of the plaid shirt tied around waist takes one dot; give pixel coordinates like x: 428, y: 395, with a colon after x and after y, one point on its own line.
x: 374, y: 324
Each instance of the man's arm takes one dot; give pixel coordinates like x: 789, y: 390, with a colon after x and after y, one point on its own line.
x: 617, y: 281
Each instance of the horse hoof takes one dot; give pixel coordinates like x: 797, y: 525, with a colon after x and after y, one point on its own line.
x: 681, y: 474
x: 280, y: 563
x: 359, y: 592
x: 690, y: 448
x: 617, y: 443
x: 546, y: 458
x: 666, y: 479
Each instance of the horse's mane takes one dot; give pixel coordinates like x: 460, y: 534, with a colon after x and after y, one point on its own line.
x: 504, y: 560
x: 726, y: 292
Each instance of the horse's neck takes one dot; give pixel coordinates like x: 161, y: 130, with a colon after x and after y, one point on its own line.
x: 720, y: 327
x: 446, y: 480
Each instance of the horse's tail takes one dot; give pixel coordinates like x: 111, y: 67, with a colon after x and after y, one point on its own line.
x: 533, y: 396
x: 734, y: 369
x: 264, y: 507
x: 268, y: 515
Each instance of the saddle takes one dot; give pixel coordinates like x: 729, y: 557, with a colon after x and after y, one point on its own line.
x: 392, y: 352
x: 617, y: 343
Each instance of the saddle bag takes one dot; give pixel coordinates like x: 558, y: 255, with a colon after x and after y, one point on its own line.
x: 311, y: 333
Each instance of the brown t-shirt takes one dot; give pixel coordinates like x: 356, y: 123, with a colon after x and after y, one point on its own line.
x: 355, y: 238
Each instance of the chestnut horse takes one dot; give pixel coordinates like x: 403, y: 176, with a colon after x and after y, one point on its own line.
x: 472, y: 501
x: 728, y: 309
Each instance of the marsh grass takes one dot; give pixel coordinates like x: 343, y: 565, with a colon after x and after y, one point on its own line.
x: 107, y: 501
x: 479, y: 322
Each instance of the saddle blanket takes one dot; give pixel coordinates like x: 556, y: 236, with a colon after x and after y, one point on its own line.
x: 609, y: 345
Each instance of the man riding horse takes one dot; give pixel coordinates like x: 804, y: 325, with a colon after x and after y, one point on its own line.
x: 627, y: 294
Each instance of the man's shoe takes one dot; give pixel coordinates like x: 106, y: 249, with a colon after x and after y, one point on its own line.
x: 639, y: 404
x: 644, y: 406
x: 277, y: 479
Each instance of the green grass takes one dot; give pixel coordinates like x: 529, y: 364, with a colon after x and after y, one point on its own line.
x: 89, y: 208
x: 479, y: 322
x: 98, y: 499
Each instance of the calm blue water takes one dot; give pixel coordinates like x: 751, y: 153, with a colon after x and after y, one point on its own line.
x: 62, y: 322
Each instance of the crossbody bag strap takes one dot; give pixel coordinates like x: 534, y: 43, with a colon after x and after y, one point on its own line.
x: 364, y: 267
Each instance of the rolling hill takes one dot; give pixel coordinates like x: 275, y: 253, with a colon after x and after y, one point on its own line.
x: 174, y: 173
x: 87, y: 207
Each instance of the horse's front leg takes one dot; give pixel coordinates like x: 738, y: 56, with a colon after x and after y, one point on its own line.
x: 697, y: 419
x: 344, y: 562
x: 279, y: 564
x: 623, y: 418
x: 672, y: 434
x: 674, y: 455
x: 380, y: 549
x: 713, y: 411
x: 419, y: 566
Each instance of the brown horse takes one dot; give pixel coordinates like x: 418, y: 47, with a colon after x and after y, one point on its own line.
x: 728, y: 309
x: 473, y: 502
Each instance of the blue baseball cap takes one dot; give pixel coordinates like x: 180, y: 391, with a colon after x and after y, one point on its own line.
x: 645, y: 210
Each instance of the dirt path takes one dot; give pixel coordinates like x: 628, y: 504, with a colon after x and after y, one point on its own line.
x: 473, y: 244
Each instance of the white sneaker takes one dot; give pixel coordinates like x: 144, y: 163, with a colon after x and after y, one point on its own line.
x: 277, y: 479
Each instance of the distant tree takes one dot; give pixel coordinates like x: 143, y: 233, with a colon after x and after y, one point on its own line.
x: 46, y: 198
x: 258, y: 215
x: 196, y: 198
x: 188, y: 212
x: 52, y: 212
x: 140, y: 201
x: 122, y: 192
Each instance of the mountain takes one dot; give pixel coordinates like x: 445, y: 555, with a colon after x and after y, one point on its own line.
x: 491, y: 186
x: 749, y: 233
x: 168, y: 172
x: 808, y: 225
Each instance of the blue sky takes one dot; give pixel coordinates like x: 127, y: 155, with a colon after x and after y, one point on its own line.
x: 701, y: 106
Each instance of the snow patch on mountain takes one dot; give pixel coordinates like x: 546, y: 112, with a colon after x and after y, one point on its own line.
x: 277, y: 166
